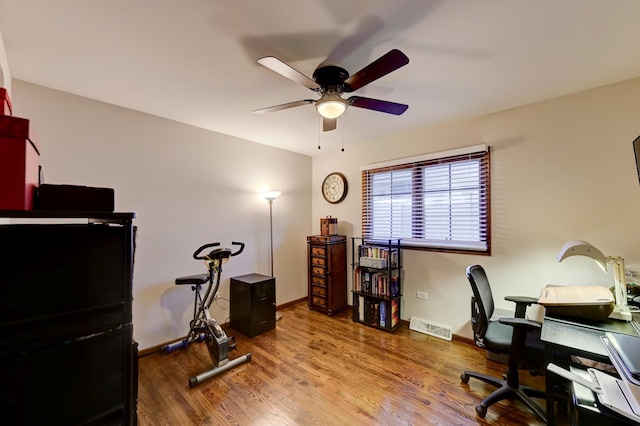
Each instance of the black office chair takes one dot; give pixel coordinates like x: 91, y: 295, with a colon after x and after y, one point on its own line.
x: 506, y: 336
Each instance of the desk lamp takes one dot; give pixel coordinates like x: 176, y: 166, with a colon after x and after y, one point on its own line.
x: 583, y: 248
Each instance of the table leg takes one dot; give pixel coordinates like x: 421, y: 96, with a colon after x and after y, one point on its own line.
x: 549, y: 386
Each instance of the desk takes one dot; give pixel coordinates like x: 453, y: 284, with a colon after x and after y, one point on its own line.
x: 566, y: 337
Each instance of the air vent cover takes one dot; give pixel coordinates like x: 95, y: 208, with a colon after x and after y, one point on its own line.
x: 426, y: 327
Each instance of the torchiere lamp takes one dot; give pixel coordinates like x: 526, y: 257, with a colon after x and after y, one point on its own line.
x: 270, y: 196
x: 583, y: 248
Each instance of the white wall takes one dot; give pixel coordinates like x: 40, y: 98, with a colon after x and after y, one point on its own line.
x: 562, y: 169
x: 188, y: 187
x: 5, y: 73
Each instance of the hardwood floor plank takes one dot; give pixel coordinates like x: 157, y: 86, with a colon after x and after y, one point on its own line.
x: 313, y: 369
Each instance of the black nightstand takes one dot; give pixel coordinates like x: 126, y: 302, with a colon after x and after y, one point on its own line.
x: 253, y: 304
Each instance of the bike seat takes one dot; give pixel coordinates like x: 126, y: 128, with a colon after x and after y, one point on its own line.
x: 193, y: 279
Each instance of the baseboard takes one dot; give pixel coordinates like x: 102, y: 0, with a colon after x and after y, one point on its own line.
x: 157, y: 348
x: 463, y: 339
x: 293, y: 302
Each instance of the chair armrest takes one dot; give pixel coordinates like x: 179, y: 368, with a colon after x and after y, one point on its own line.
x: 522, y: 302
x: 522, y: 299
x: 521, y: 323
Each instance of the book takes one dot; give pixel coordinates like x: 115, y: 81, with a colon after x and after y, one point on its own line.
x: 383, y: 314
x: 395, y: 312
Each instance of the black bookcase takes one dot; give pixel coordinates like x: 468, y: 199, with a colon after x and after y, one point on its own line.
x: 377, y: 282
x: 67, y: 354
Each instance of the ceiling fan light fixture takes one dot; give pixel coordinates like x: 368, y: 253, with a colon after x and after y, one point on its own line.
x: 331, y: 106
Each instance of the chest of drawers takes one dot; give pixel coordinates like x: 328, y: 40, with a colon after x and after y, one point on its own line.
x: 327, y: 273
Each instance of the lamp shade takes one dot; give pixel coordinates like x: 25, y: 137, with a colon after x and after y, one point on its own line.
x: 582, y: 248
x: 270, y: 195
x: 331, y: 106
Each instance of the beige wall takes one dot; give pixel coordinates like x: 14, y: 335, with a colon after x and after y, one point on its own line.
x: 188, y: 187
x: 562, y: 169
x: 5, y: 73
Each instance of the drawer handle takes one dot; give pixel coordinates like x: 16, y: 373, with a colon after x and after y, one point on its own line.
x: 262, y: 299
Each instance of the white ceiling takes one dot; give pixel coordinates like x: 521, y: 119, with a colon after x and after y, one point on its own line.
x: 194, y: 61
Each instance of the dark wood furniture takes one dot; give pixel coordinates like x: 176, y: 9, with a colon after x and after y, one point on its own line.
x: 327, y: 273
x: 252, y: 304
x: 67, y: 354
x: 377, y: 282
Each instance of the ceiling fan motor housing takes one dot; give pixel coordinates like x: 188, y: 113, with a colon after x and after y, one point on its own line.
x: 331, y: 78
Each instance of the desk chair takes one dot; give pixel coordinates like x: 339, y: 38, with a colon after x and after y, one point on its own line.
x: 505, y: 336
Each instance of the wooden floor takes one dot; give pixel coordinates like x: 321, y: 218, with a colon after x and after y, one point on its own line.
x: 318, y: 370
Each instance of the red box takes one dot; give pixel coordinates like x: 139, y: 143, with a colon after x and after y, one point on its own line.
x: 5, y: 102
x: 19, y: 164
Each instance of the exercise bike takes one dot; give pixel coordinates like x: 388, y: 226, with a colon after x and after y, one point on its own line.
x: 202, y: 326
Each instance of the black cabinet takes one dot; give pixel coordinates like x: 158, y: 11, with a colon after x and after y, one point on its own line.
x: 67, y: 354
x: 253, y: 304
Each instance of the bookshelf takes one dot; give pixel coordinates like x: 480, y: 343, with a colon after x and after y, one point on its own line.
x: 377, y: 282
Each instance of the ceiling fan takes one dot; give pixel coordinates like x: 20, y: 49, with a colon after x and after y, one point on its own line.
x: 331, y: 81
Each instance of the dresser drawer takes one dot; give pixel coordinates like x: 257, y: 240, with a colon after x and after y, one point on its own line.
x: 318, y: 280
x: 317, y: 300
x: 318, y: 270
x: 320, y: 291
x: 318, y: 250
x: 318, y: 261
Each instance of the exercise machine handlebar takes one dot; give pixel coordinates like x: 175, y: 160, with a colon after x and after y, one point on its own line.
x: 218, y: 252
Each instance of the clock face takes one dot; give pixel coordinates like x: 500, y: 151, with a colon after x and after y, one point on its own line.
x: 334, y: 187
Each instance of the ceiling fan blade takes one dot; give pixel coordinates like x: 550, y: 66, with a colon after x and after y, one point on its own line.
x: 285, y: 70
x: 377, y: 105
x: 283, y: 106
x: 328, y: 124
x: 382, y: 66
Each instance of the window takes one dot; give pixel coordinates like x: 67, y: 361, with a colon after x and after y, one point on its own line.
x: 436, y: 201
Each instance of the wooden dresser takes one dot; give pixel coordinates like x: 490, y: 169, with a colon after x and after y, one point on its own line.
x: 327, y: 273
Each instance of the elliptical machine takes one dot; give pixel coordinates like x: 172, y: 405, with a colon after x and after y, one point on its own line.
x: 202, y: 326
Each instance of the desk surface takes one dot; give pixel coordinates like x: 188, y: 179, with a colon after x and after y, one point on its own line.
x: 582, y: 337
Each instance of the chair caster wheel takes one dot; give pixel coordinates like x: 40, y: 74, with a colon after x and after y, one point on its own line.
x: 481, y: 410
x: 464, y: 377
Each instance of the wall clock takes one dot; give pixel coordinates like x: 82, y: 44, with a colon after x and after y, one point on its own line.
x: 334, y: 187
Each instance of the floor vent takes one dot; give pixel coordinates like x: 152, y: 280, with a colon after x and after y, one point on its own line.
x: 426, y: 327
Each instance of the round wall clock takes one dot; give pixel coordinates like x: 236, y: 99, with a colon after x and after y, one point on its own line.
x: 334, y: 187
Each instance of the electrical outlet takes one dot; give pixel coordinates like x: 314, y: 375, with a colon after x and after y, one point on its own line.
x: 422, y: 295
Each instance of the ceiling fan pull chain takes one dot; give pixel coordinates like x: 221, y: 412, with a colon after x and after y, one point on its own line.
x: 342, y: 131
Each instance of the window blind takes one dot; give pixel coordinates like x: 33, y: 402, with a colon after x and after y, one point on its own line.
x: 432, y: 202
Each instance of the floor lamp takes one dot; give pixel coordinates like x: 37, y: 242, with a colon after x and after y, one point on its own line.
x: 270, y: 196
